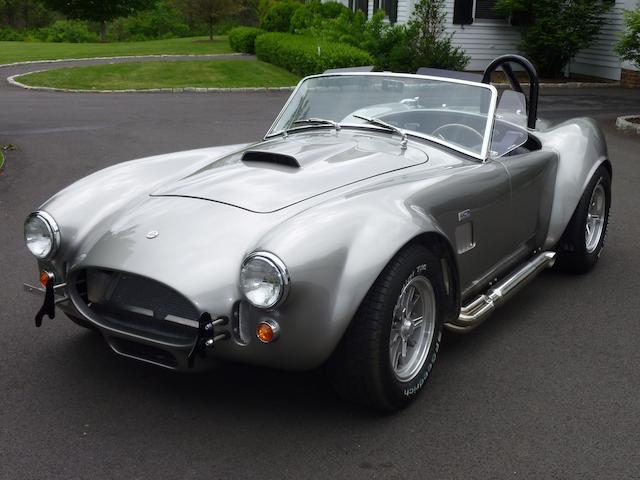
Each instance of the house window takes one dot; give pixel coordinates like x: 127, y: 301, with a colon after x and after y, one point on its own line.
x: 485, y: 11
x: 390, y: 8
x: 465, y: 11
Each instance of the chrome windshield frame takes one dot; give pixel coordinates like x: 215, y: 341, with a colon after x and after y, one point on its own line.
x: 482, y: 156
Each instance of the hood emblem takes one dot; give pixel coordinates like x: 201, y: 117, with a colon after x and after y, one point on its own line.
x: 152, y: 234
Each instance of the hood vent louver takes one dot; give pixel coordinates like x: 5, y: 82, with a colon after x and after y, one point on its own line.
x: 270, y: 157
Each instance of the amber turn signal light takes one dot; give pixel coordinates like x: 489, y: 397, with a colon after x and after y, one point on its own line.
x: 45, y: 278
x: 267, y: 331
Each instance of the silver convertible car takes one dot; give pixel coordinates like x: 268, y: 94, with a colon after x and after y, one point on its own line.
x: 377, y: 210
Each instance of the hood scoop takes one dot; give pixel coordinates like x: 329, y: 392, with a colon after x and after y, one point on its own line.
x: 273, y: 158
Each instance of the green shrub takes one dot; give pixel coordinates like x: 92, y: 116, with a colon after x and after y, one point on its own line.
x: 554, y: 31
x: 347, y: 28
x: 278, y: 16
x: 303, y: 19
x: 72, y: 31
x: 225, y: 26
x: 388, y: 44
x: 629, y: 45
x: 428, y: 42
x: 8, y: 34
x: 313, y: 14
x: 243, y: 39
x: 162, y: 21
x: 305, y: 56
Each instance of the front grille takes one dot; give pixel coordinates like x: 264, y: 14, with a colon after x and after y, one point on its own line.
x: 138, y: 305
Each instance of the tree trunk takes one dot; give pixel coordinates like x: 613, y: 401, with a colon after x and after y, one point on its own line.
x: 103, y: 31
x: 211, y: 28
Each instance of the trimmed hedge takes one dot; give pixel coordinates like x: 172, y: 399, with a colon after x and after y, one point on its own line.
x: 306, y: 56
x: 277, y: 18
x: 243, y: 39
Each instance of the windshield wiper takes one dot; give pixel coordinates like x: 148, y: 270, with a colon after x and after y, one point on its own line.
x: 321, y: 121
x: 388, y: 126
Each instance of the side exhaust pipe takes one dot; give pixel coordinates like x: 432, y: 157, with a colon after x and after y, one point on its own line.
x: 476, y: 312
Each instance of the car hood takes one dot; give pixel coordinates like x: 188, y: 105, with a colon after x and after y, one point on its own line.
x: 315, y: 163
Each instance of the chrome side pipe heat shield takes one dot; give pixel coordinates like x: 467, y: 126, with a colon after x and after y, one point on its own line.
x: 478, y: 310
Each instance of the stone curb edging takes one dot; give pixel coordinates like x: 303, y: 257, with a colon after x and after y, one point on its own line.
x: 119, y: 57
x: 566, y: 85
x: 12, y: 79
x: 623, y: 124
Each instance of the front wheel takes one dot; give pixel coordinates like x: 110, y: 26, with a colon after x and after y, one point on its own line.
x: 388, y: 351
x: 583, y: 240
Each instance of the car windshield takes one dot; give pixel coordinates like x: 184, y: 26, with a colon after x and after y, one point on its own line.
x: 451, y: 112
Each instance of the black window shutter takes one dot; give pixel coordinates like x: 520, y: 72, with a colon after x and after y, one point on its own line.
x: 463, y: 12
x: 363, y: 5
x: 350, y: 4
x: 393, y: 11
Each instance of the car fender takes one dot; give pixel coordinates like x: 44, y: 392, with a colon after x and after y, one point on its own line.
x: 581, y: 149
x: 334, y: 253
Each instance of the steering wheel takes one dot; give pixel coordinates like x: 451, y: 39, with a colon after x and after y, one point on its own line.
x: 440, y: 132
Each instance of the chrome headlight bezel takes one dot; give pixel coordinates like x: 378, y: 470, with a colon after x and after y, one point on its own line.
x: 53, y: 232
x: 283, y: 276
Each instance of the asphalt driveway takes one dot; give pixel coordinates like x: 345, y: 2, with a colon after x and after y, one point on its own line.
x: 548, y: 388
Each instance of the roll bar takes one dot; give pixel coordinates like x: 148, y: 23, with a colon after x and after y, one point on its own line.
x: 505, y: 62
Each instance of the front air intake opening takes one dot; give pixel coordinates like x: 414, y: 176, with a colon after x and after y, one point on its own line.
x: 137, y: 305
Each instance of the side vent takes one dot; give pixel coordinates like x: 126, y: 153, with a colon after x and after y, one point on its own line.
x: 270, y: 157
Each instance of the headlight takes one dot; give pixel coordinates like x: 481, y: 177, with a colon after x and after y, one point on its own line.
x: 41, y: 234
x: 264, y: 280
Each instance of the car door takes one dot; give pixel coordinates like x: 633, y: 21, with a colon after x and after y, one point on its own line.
x: 474, y: 209
x: 532, y: 177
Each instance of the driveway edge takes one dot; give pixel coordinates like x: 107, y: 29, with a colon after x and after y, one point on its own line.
x: 12, y: 81
x: 623, y: 124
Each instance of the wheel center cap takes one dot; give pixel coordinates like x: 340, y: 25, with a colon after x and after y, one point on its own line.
x: 406, y: 329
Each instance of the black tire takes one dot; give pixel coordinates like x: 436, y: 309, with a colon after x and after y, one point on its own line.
x: 573, y: 254
x: 82, y: 323
x: 360, y: 369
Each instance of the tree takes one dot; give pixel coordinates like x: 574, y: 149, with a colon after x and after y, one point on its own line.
x: 97, y: 10
x: 629, y: 45
x: 429, y: 40
x: 554, y: 31
x: 212, y: 11
x: 23, y: 14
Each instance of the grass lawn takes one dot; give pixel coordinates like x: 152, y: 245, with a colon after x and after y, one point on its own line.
x: 174, y: 74
x: 23, y: 51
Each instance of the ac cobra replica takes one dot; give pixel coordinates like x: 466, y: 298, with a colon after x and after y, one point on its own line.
x: 378, y: 209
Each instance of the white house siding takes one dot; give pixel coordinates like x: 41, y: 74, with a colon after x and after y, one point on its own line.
x: 405, y: 9
x: 484, y: 40
x: 599, y: 60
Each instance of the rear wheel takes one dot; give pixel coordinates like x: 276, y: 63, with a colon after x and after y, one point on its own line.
x: 388, y: 351
x: 583, y: 240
